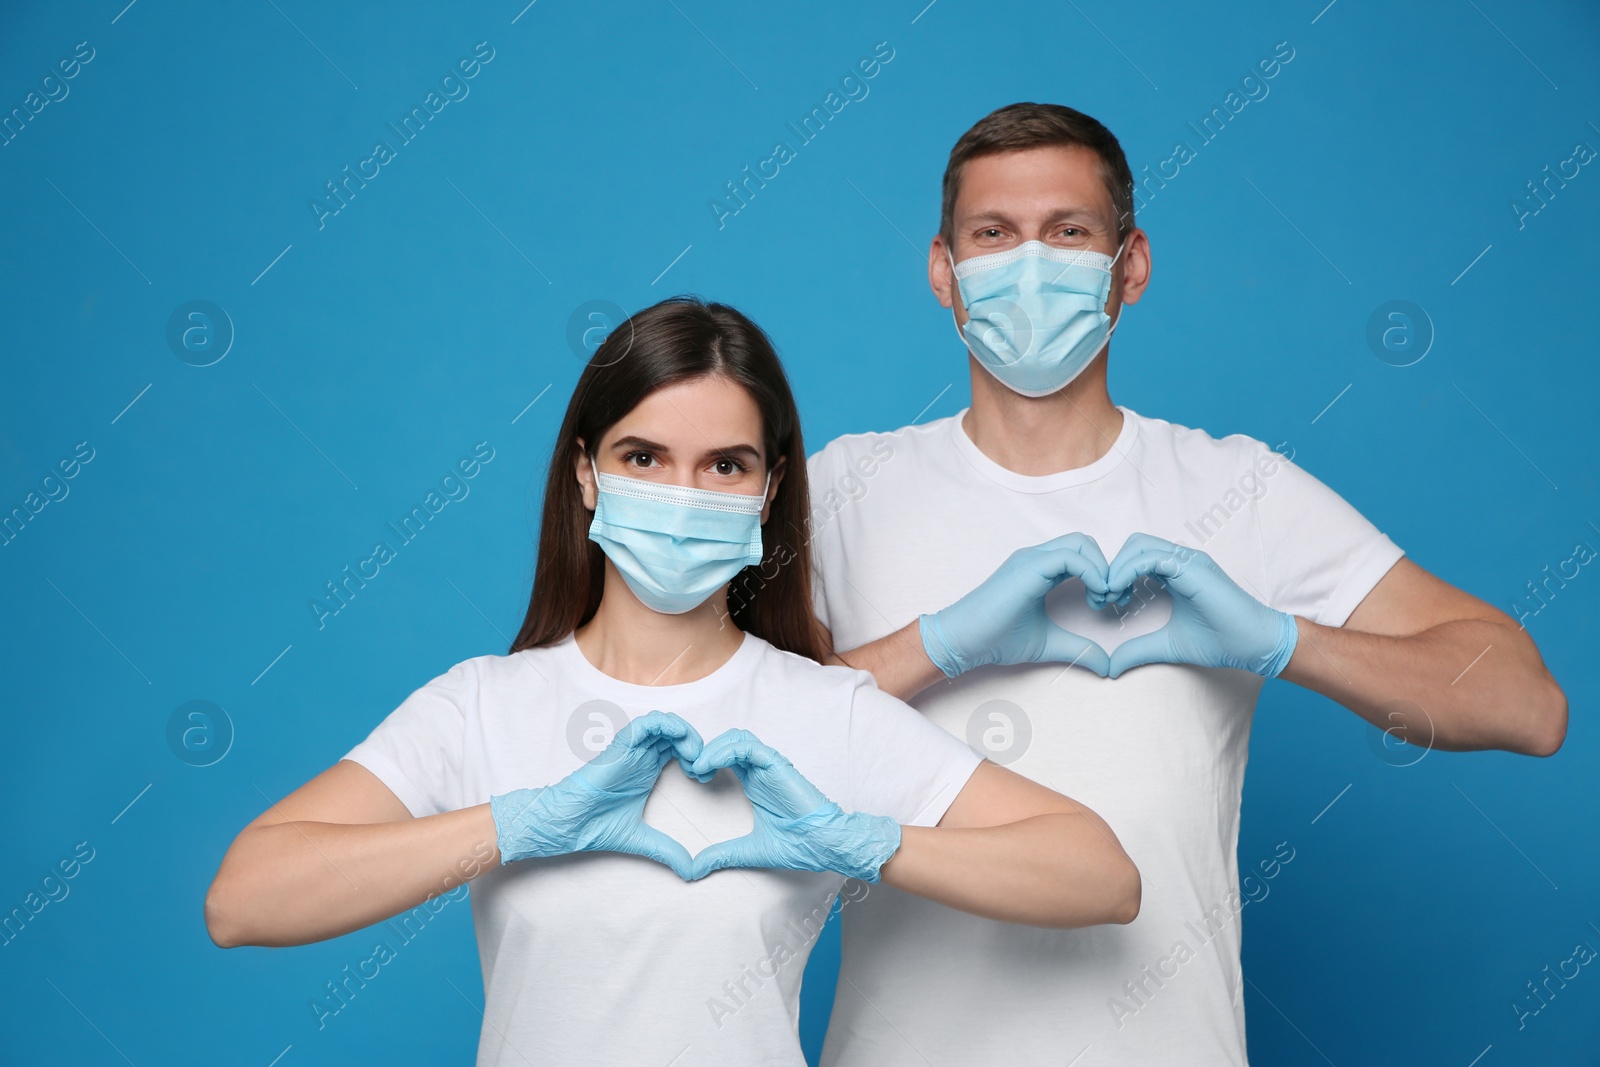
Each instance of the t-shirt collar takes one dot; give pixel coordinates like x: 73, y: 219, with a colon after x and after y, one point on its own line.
x: 1044, y: 483
x: 739, y: 665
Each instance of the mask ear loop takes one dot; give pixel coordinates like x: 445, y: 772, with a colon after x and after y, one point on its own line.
x: 955, y: 283
x: 1118, y: 320
x: 596, y: 471
x: 766, y: 486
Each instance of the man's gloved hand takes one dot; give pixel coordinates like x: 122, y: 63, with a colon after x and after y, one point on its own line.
x: 1214, y: 622
x: 796, y: 827
x: 1003, y: 620
x: 600, y: 806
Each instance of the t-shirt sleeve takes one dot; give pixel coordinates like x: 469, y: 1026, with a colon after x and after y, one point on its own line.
x: 1319, y: 554
x: 417, y: 749
x: 816, y: 477
x: 902, y: 765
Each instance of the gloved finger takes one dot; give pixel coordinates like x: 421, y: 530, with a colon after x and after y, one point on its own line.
x: 739, y: 852
x: 690, y: 744
x: 1095, y: 592
x: 1056, y: 565
x: 1163, y: 563
x: 687, y: 748
x: 1088, y: 548
x: 1064, y: 646
x: 1137, y: 544
x: 687, y: 767
x: 770, y: 782
x: 651, y: 843
x: 688, y: 752
x: 651, y: 725
x: 625, y: 770
x: 1077, y: 542
x: 732, y: 748
x: 1137, y: 651
x: 648, y: 742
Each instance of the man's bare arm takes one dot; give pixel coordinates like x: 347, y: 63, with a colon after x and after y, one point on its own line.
x: 1417, y: 642
x: 898, y: 662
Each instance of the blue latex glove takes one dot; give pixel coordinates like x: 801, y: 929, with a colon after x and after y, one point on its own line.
x: 797, y: 828
x: 1003, y: 620
x: 600, y: 806
x: 1214, y: 622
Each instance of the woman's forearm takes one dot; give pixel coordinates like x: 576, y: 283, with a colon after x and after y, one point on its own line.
x: 1059, y: 869
x: 293, y: 883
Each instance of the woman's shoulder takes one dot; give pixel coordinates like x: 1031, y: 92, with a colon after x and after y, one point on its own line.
x: 492, y: 672
x: 792, y: 669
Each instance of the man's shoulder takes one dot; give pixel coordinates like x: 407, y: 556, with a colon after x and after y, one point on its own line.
x: 1195, y: 446
x: 847, y: 450
x: 844, y: 468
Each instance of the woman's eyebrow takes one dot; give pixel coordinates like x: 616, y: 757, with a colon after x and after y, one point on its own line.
x: 749, y: 452
x: 742, y: 451
x: 639, y: 443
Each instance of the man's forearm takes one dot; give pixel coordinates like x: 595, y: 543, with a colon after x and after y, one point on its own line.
x: 898, y: 662
x: 1479, y: 684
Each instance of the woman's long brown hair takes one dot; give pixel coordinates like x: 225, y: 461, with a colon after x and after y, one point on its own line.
x: 679, y: 339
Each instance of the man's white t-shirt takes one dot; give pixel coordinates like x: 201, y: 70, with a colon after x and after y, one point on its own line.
x: 907, y: 522
x: 610, y: 958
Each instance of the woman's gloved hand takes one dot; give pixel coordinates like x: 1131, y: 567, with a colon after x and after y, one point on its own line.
x: 796, y: 827
x: 600, y: 806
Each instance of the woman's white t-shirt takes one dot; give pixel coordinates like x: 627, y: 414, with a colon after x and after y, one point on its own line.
x: 610, y: 958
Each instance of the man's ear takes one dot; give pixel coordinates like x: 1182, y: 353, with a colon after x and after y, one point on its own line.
x: 585, y: 475
x: 1134, y: 269
x: 772, y: 487
x: 941, y: 280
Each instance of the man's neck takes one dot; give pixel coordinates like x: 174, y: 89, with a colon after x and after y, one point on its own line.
x: 1043, y: 435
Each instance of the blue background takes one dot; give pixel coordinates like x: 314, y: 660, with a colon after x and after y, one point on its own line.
x: 372, y: 352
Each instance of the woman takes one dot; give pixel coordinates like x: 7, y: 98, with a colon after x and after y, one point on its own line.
x: 671, y: 606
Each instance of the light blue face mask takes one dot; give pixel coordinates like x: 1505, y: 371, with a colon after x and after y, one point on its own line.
x: 674, y: 545
x: 1036, y: 314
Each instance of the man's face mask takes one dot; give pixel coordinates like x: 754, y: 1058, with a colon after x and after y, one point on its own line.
x: 674, y: 545
x: 1036, y: 314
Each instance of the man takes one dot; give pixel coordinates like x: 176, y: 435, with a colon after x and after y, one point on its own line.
x: 1095, y: 597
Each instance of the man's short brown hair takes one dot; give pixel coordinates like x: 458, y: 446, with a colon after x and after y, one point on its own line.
x: 1026, y: 125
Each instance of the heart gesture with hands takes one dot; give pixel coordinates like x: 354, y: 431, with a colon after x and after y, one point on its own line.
x: 600, y: 808
x: 1214, y: 622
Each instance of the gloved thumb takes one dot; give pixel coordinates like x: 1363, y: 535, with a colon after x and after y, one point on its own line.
x: 1138, y: 651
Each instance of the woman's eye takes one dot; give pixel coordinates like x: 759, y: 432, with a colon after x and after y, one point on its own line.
x: 727, y: 467
x: 642, y: 460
